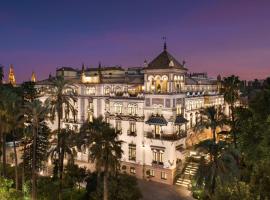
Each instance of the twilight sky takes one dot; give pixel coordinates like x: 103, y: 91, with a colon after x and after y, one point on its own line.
x: 219, y: 37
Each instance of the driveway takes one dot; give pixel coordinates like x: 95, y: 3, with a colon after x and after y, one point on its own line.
x: 158, y: 191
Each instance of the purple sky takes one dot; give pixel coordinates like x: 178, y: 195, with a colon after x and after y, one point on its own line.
x: 219, y: 37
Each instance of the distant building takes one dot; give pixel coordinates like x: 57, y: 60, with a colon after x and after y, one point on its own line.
x: 11, y: 75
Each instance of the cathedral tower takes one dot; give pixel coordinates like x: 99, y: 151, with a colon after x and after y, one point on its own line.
x: 11, y: 75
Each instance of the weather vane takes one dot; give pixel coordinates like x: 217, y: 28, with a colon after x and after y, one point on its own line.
x: 165, y: 45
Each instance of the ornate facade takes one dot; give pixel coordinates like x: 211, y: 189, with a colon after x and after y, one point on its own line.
x: 154, y: 107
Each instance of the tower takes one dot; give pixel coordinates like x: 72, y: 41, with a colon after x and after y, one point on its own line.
x: 11, y: 75
x: 33, y: 77
x: 83, y: 73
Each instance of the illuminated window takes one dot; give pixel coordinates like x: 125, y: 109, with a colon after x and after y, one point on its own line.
x: 90, y: 90
x: 118, y: 108
x: 132, y: 109
x: 163, y: 175
x: 132, y: 152
x: 158, y: 156
x: 152, y: 172
x: 107, y: 91
x: 157, y: 129
x: 178, y: 109
x: 118, y: 126
x: 132, y: 170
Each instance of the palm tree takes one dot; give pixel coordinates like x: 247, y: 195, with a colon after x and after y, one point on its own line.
x: 36, y: 113
x: 7, y: 101
x: 224, y: 165
x: 211, y: 118
x: 67, y: 138
x: 16, y: 122
x: 61, y: 95
x: 104, y: 148
x: 231, y: 88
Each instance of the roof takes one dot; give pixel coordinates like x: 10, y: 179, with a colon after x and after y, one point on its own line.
x: 199, y: 81
x: 165, y: 61
x: 66, y: 69
x: 179, y: 120
x: 157, y: 120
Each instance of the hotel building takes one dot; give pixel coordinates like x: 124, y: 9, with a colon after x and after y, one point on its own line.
x: 154, y: 107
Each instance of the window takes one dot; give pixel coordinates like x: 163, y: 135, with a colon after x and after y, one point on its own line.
x: 157, y: 129
x: 152, y: 172
x: 164, y: 175
x: 107, y: 120
x: 132, y: 170
x: 132, y: 152
x: 107, y: 105
x: 178, y: 109
x: 118, y: 108
x: 158, y: 156
x: 132, y: 109
x: 118, y: 126
x: 132, y: 128
x: 90, y: 90
x: 90, y: 111
x: 107, y: 91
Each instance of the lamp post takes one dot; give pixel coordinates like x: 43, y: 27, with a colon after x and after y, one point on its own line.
x: 143, y: 170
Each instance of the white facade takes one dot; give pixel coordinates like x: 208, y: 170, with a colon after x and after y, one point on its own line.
x: 149, y: 106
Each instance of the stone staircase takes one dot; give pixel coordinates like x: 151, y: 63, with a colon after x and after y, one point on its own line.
x: 187, y: 175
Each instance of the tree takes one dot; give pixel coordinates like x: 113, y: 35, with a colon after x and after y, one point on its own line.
x: 42, y: 147
x: 1, y: 74
x: 223, y: 167
x: 75, y: 175
x: 8, y: 101
x: 231, y: 91
x: 61, y: 95
x: 66, y: 144
x: 104, y: 148
x: 29, y: 91
x: 36, y: 113
x: 121, y: 187
x: 7, y: 192
x: 212, y: 118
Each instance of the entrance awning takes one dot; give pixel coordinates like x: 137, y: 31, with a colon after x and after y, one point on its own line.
x: 179, y: 120
x: 157, y: 120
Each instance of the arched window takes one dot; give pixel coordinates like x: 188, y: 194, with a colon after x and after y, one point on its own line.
x: 118, y: 90
x: 132, y: 109
x: 118, y: 108
x: 107, y: 90
x: 90, y: 91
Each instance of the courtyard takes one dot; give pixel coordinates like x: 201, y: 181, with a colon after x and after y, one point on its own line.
x: 158, y: 191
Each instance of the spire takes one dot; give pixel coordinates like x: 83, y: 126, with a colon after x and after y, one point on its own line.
x: 83, y: 73
x: 83, y: 67
x: 33, y: 77
x: 165, y: 44
x: 11, y: 75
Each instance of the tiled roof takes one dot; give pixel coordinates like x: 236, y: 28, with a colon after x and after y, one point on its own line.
x: 157, y: 120
x: 179, y: 120
x: 164, y: 61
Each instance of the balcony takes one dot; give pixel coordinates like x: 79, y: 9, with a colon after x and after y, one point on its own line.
x: 131, y: 133
x: 167, y: 137
x: 157, y: 163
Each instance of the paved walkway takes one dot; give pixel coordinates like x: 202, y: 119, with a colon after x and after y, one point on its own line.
x: 158, y: 191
